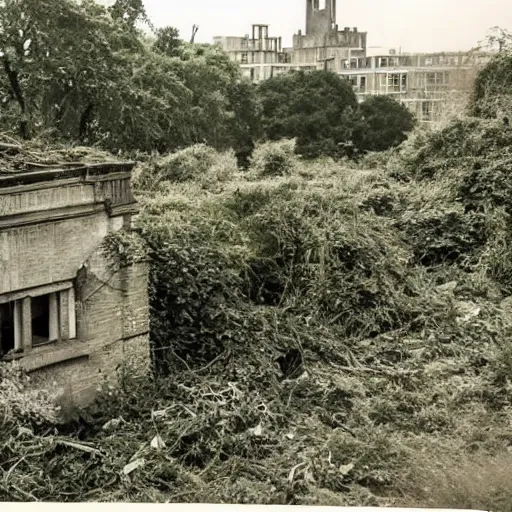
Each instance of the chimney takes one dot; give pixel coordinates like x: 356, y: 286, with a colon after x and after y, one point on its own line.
x: 309, y: 16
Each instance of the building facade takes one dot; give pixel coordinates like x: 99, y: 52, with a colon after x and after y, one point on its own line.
x: 431, y: 85
x: 68, y: 313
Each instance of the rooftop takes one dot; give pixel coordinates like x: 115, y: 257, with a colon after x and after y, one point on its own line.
x: 33, y: 162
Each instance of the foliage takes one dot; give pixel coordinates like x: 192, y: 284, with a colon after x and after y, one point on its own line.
x: 316, y: 108
x: 21, y: 406
x: 274, y: 158
x: 321, y: 336
x: 92, y: 77
x: 168, y: 41
x: 386, y: 123
x: 492, y: 95
x: 198, y: 163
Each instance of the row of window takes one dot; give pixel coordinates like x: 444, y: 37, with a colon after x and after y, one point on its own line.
x: 407, y: 61
x: 393, y: 82
x: 264, y: 58
x: 398, y: 82
x: 37, y: 320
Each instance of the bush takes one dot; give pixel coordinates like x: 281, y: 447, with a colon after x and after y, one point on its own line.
x: 454, y: 149
x: 274, y: 158
x: 20, y: 404
x: 200, y: 163
x: 491, y: 95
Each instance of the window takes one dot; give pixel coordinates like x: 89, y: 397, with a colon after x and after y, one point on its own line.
x: 404, y: 82
x: 394, y: 82
x: 37, y: 319
x: 439, y: 78
x: 426, y: 110
x: 431, y: 78
x: 362, y: 84
x: 353, y: 80
x: 244, y: 58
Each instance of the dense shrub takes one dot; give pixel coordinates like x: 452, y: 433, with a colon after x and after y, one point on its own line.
x: 274, y: 158
x: 198, y: 163
x: 492, y: 96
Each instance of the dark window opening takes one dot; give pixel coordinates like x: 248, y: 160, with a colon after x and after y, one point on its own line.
x: 40, y: 320
x: 6, y: 328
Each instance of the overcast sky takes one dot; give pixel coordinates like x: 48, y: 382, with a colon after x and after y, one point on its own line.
x: 413, y: 25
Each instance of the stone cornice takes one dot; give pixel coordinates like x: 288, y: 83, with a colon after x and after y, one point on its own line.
x: 85, y: 172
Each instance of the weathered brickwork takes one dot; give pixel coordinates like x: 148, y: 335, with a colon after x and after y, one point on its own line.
x: 70, y: 315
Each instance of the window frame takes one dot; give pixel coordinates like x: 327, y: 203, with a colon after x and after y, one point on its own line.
x: 62, y: 324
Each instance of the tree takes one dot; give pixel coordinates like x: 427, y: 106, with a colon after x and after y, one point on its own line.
x: 130, y: 12
x: 492, y: 93
x: 498, y: 39
x: 317, y: 108
x: 84, y: 73
x: 168, y: 41
x: 246, y: 122
x: 385, y: 123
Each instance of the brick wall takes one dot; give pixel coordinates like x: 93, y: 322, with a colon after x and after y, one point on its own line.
x: 51, y: 232
x: 44, y: 253
x: 112, y: 327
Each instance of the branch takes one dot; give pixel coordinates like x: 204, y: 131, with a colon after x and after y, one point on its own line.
x: 16, y: 89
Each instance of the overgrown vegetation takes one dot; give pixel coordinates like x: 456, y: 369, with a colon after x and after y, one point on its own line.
x: 324, y: 332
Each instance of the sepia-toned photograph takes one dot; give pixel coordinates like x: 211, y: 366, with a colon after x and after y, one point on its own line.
x: 256, y: 253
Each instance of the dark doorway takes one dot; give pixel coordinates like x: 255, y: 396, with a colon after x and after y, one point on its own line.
x: 6, y: 328
x: 40, y: 320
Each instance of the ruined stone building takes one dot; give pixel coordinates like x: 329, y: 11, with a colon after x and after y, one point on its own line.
x: 429, y: 84
x: 67, y: 313
x: 322, y: 46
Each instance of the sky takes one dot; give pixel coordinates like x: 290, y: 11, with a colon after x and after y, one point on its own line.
x: 409, y: 25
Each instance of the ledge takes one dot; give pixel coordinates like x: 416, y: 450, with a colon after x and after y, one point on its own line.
x: 51, y: 355
x: 79, y: 171
x: 66, y: 212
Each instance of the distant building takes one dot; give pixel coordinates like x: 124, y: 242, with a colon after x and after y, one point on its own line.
x: 65, y: 313
x: 429, y: 84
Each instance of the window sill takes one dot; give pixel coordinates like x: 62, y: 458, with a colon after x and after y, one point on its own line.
x: 50, y: 354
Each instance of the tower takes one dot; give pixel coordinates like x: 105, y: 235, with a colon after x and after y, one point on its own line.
x: 320, y: 20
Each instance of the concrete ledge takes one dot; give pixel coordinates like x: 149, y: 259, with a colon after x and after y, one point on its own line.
x: 36, y: 291
x: 52, y: 355
x: 47, y: 215
x: 13, y: 179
